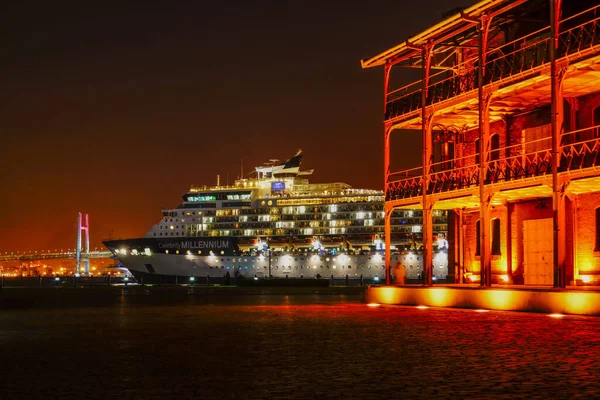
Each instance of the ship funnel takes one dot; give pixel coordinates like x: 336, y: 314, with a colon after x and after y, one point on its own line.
x: 218, y: 180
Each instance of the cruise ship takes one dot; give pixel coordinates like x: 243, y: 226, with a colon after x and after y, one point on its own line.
x: 277, y: 224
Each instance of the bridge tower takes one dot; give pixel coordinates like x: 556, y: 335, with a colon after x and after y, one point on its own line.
x: 85, y: 228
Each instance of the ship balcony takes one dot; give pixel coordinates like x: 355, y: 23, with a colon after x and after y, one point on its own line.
x: 508, y: 67
x: 511, y: 173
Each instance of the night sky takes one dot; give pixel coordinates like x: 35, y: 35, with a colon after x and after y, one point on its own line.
x: 115, y: 110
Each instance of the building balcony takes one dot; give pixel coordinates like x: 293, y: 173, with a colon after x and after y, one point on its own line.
x: 524, y: 166
x: 507, y: 65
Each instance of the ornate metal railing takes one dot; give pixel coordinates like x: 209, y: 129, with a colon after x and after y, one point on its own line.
x: 512, y: 61
x: 579, y: 150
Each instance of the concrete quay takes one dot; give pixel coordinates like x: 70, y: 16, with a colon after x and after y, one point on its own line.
x: 573, y: 300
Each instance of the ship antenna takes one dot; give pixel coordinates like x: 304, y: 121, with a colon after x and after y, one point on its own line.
x: 242, y: 169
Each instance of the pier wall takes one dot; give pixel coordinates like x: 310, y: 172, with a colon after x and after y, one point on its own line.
x: 582, y: 302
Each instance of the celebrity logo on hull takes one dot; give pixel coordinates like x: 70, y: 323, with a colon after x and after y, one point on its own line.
x: 196, y: 244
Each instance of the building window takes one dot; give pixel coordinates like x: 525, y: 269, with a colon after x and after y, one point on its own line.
x: 538, y: 139
x: 495, y: 146
x: 477, y: 151
x: 597, y: 229
x: 477, y: 238
x: 449, y: 155
x: 496, y: 237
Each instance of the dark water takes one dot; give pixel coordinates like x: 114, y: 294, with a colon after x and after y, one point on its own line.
x: 142, y: 344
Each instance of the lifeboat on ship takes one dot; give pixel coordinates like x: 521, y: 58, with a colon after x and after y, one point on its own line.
x: 247, y: 243
x: 279, y: 242
x: 401, y: 240
x: 360, y: 240
x: 332, y: 241
x: 302, y: 242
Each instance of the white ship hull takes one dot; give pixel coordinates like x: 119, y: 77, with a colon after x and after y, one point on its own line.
x: 291, y: 266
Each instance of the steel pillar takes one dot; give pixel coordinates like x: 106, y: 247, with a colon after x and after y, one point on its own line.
x: 463, y: 235
x: 426, y: 120
x: 387, y: 132
x: 388, y: 210
x: 558, y: 201
x: 388, y: 239
x: 484, y: 135
x: 575, y: 200
x: 510, y: 207
x: 428, y: 244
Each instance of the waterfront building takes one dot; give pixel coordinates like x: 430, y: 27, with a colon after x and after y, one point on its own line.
x: 509, y: 110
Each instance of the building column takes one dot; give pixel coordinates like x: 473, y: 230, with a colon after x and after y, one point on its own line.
x: 460, y: 235
x: 510, y: 207
x: 485, y: 248
x: 426, y: 122
x: 387, y: 132
x: 463, y: 247
x: 388, y: 240
x: 484, y: 136
x: 558, y: 201
x: 428, y: 243
x: 484, y: 193
x: 387, y: 201
x: 575, y: 205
